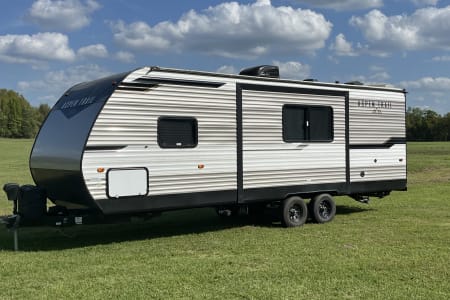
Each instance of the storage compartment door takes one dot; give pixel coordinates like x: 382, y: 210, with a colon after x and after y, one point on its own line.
x: 127, y: 182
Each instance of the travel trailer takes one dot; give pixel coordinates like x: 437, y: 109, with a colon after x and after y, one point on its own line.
x: 157, y: 139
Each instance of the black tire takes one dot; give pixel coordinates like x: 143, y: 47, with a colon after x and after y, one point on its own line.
x: 322, y: 208
x: 293, y: 212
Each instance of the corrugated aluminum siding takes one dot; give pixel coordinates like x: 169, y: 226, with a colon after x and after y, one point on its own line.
x: 372, y: 124
x: 378, y: 164
x: 268, y: 161
x: 130, y: 118
x: 380, y: 119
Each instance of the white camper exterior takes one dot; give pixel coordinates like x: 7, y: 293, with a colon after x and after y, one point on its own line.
x: 167, y: 138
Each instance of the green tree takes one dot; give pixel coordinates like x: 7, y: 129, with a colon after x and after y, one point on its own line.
x: 427, y: 125
x: 42, y: 112
x: 432, y: 122
x: 18, y: 118
x: 446, y: 127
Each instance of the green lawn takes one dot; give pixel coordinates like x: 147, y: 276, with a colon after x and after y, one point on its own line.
x: 394, y: 248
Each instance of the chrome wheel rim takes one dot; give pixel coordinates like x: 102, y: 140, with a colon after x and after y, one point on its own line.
x: 325, y: 209
x: 295, y: 213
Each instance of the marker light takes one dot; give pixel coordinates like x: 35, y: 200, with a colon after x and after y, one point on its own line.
x: 100, y: 170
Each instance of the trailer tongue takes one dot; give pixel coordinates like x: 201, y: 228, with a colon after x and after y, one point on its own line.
x: 30, y: 210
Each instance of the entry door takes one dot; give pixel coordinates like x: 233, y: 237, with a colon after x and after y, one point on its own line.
x: 293, y: 140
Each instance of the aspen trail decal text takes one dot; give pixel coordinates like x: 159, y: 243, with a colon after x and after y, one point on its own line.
x: 375, y: 106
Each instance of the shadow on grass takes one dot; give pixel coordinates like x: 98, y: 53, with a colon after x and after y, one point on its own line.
x: 170, y: 224
x: 346, y: 210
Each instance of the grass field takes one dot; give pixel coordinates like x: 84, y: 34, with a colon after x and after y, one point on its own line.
x: 394, y: 248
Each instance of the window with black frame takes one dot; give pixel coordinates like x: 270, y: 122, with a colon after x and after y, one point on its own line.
x: 177, y: 132
x: 302, y: 123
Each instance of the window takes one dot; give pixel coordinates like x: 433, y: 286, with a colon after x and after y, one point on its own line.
x: 307, y: 123
x: 320, y: 124
x: 294, y: 123
x: 177, y: 132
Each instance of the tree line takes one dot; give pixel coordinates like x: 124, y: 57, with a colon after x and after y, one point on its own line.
x: 18, y: 119
x: 427, y: 125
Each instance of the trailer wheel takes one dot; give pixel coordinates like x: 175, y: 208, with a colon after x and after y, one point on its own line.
x: 293, y: 212
x: 323, y: 208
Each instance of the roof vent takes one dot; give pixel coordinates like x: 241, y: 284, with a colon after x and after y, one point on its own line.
x: 262, y: 71
x: 355, y: 82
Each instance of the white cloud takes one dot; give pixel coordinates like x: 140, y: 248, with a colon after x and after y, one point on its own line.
x: 425, y: 2
x: 293, y: 69
x: 231, y: 29
x: 62, y: 14
x: 124, y: 56
x: 343, y: 5
x: 227, y: 69
x: 378, y: 74
x: 97, y: 50
x: 341, y: 47
x: 434, y: 84
x: 375, y: 68
x: 426, y: 28
x: 429, y: 92
x: 288, y: 70
x: 382, y: 76
x: 56, y: 82
x: 35, y: 49
x: 443, y: 58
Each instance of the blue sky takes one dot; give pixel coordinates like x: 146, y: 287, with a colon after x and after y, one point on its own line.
x: 46, y: 46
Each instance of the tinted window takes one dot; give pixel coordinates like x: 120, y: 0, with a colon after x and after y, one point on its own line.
x: 320, y: 124
x: 307, y: 123
x: 294, y: 123
x: 177, y: 132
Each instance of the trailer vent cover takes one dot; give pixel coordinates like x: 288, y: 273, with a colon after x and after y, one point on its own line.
x: 354, y: 83
x: 262, y: 71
